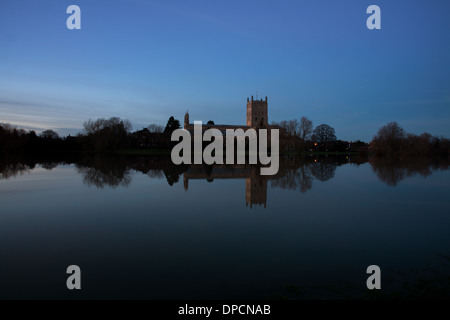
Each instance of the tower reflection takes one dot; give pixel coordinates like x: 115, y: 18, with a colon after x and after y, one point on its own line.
x: 255, y: 184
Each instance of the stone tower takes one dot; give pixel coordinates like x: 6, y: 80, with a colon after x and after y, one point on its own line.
x: 257, y: 115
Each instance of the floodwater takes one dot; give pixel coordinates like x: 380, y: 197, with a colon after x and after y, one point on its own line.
x: 139, y: 227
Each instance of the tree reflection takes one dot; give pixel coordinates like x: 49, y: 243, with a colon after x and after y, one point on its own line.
x: 49, y: 165
x: 104, y: 177
x: 297, y: 173
x: 294, y: 178
x: 172, y: 176
x: 323, y: 171
x: 155, y: 174
x: 118, y: 171
x: 13, y: 165
x: 8, y: 170
x: 392, y: 171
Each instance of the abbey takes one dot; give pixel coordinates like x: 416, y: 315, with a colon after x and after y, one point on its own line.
x: 260, y: 137
x: 257, y: 117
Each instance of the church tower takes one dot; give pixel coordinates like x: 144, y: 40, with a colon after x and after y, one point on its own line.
x: 257, y: 115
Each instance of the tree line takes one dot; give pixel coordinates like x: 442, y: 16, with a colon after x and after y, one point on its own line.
x: 300, y: 136
x: 108, y: 135
x: 392, y: 140
x: 100, y: 136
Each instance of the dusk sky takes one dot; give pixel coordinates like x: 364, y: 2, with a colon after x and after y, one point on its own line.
x: 147, y: 60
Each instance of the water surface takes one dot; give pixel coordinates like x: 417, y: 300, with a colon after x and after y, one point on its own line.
x: 142, y: 228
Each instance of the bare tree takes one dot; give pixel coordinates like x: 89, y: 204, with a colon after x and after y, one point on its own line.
x: 389, y: 139
x: 390, y: 132
x: 291, y: 127
x: 92, y: 126
x: 155, y: 128
x: 305, y: 128
x: 107, y: 134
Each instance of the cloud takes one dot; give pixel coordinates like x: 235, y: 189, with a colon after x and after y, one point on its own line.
x: 38, y: 116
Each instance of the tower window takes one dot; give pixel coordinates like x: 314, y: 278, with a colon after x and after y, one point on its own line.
x: 256, y: 119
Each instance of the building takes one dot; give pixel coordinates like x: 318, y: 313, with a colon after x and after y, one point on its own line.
x: 257, y: 118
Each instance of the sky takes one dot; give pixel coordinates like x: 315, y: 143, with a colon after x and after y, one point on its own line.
x: 147, y: 60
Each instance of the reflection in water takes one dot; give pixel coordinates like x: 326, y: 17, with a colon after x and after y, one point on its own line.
x: 295, y: 173
x: 49, y: 165
x: 392, y: 171
x: 255, y: 184
x: 323, y: 171
x: 295, y: 178
x: 283, y: 252
x: 117, y: 171
x: 99, y: 177
x: 9, y: 170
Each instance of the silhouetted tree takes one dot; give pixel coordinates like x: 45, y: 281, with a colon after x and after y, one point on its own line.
x: 49, y: 134
x: 107, y: 134
x: 324, y: 133
x: 290, y: 127
x: 155, y: 128
x: 389, y: 139
x: 114, y: 123
x: 305, y: 128
x: 210, y: 122
x: 172, y: 125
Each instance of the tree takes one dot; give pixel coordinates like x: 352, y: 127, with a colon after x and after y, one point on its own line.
x: 290, y: 127
x: 324, y: 133
x: 172, y: 125
x: 294, y: 128
x: 49, y: 134
x: 305, y: 128
x: 114, y: 124
x: 210, y: 122
x: 390, y: 132
x: 389, y: 139
x: 155, y: 128
x: 107, y: 134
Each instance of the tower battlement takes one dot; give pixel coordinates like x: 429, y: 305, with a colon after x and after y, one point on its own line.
x: 257, y: 114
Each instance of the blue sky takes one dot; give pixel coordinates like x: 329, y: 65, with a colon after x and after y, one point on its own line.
x: 148, y: 60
